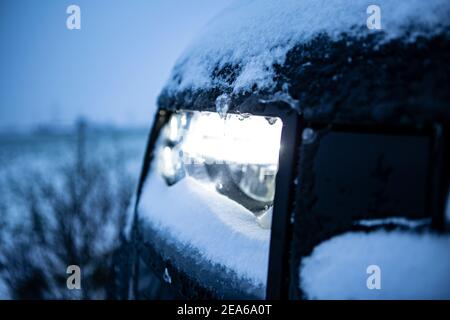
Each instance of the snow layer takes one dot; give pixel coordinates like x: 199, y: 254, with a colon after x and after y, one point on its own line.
x: 255, y: 34
x: 193, y: 215
x: 399, y: 221
x: 413, y: 266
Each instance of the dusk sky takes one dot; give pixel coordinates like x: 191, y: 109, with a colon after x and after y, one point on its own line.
x: 110, y: 71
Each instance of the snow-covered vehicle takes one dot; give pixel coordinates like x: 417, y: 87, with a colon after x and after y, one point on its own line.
x: 298, y: 153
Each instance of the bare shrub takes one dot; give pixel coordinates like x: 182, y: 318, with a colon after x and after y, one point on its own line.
x: 72, y: 216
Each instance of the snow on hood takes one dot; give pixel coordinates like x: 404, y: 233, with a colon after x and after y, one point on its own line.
x: 413, y: 266
x: 193, y: 216
x: 252, y: 35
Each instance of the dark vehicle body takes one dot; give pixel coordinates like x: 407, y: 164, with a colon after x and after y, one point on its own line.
x: 366, y: 130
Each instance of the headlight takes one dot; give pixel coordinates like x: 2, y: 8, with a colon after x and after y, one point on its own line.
x: 209, y: 196
x: 237, y: 155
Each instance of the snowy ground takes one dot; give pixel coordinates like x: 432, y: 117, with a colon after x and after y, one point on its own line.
x: 23, y: 157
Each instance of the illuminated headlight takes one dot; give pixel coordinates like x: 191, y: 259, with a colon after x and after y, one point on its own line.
x: 236, y: 155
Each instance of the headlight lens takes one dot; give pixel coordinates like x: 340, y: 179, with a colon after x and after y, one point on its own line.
x: 237, y: 154
x: 209, y: 202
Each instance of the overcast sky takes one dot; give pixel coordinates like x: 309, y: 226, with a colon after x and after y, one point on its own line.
x: 110, y: 71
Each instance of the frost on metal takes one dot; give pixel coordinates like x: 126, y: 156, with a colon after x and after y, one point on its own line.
x: 241, y: 47
x: 166, y: 276
x: 413, y: 266
x: 308, y: 135
x: 223, y: 104
x: 283, y: 96
x: 397, y: 221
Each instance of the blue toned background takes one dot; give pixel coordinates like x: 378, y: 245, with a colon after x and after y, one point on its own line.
x: 110, y: 71
x: 75, y: 110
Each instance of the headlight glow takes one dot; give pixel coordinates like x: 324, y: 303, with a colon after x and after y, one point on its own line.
x: 233, y: 139
x: 236, y: 154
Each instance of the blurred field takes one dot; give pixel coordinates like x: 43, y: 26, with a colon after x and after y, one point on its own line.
x: 63, y: 200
